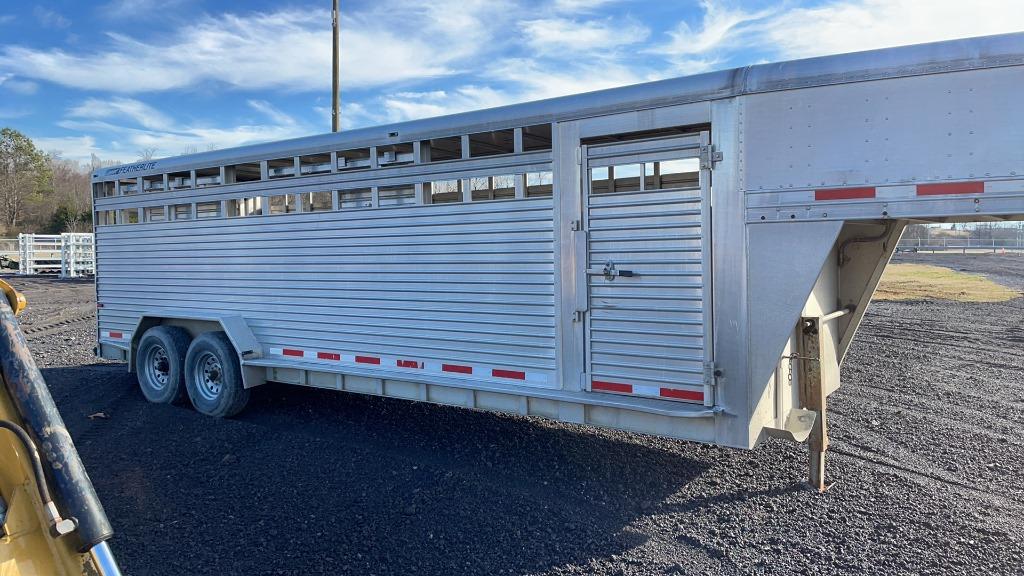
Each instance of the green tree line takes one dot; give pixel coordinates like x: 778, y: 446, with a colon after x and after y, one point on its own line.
x: 41, y: 192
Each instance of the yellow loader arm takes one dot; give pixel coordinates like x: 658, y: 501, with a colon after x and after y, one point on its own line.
x: 35, y: 538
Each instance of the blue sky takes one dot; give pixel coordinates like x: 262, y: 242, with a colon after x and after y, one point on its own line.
x: 115, y: 77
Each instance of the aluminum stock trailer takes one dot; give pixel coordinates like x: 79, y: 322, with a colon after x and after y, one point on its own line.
x: 688, y: 258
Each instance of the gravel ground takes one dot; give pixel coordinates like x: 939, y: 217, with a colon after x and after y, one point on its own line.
x: 927, y: 455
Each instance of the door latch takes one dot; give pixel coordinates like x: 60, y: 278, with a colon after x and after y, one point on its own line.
x: 609, y: 271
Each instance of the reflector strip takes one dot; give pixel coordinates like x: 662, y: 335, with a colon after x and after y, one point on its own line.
x: 682, y: 394
x: 611, y: 387
x: 457, y: 368
x: 117, y: 335
x: 844, y: 193
x: 428, y: 366
x: 692, y: 395
x: 514, y: 374
x: 944, y: 188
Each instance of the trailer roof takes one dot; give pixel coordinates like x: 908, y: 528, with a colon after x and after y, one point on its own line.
x: 933, y: 58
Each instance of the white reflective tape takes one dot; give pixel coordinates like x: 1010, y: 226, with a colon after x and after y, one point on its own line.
x: 537, y: 377
x: 646, y: 390
x: 895, y: 192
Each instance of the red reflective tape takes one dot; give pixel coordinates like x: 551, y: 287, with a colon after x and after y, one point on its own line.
x: 611, y: 386
x: 514, y: 374
x: 944, y: 188
x: 367, y: 360
x: 407, y: 363
x: 328, y: 356
x: 457, y: 368
x: 292, y: 352
x: 116, y: 335
x: 844, y: 193
x: 99, y: 304
x: 682, y: 394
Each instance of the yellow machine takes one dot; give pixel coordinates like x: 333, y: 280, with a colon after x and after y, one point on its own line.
x: 35, y: 538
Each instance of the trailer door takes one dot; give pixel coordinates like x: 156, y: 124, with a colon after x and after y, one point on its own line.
x: 644, y: 283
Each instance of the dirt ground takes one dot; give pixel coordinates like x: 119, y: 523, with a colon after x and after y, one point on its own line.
x: 928, y: 457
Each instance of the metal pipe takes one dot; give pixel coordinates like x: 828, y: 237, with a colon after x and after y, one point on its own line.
x: 336, y: 73
x: 32, y: 399
x: 104, y: 560
x: 838, y: 314
x: 843, y: 259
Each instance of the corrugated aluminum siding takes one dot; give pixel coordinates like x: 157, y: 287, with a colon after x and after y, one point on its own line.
x: 470, y: 283
x: 647, y: 330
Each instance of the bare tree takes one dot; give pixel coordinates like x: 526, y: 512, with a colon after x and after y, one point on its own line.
x: 146, y: 154
x: 71, y: 201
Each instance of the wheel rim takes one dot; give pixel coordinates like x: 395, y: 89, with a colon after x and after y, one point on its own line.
x: 209, y: 376
x: 158, y: 367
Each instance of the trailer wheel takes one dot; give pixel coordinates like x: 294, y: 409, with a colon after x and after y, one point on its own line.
x: 213, y: 376
x: 160, y: 363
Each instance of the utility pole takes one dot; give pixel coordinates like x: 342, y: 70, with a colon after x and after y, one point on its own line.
x: 336, y: 84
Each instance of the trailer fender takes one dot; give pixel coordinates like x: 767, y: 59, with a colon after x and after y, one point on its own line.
x: 196, y: 323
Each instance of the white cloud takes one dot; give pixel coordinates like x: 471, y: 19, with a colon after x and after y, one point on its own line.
x: 717, y: 25
x: 273, y: 114
x: 121, y: 109
x: 848, y: 26
x: 22, y: 87
x: 288, y: 50
x: 534, y: 80
x: 581, y: 5
x: 411, y: 105
x: 560, y: 35
x: 124, y: 7
x: 50, y: 18
x: 5, y: 18
x: 132, y: 125
x: 14, y: 113
x: 834, y: 27
x: 77, y: 148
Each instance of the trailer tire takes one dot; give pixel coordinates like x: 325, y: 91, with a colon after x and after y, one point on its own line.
x: 160, y: 364
x: 213, y: 376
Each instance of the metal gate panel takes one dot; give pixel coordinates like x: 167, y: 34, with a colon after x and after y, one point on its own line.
x: 646, y: 272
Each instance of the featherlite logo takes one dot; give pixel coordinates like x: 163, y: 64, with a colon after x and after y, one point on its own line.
x: 131, y: 168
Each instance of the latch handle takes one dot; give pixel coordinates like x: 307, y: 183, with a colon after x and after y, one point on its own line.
x: 609, y: 271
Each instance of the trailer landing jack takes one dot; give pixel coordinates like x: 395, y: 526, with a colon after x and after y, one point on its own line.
x: 819, y: 374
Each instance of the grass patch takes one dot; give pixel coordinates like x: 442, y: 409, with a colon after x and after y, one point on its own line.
x: 922, y: 282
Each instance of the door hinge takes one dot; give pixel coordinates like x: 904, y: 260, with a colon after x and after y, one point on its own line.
x: 576, y: 225
x: 711, y: 374
x: 577, y: 315
x: 579, y: 156
x: 708, y: 157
